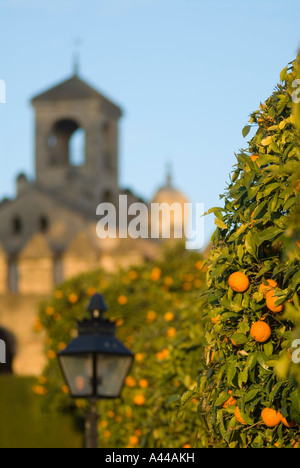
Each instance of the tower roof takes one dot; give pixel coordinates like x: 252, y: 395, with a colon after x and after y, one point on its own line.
x: 72, y: 89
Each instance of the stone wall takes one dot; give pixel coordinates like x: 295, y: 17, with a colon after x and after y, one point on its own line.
x: 18, y: 316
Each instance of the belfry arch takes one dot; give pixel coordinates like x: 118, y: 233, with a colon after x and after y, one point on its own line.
x: 66, y: 143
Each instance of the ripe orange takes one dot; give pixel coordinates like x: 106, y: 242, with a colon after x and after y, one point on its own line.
x: 73, y: 298
x: 271, y: 417
x: 230, y: 402
x: 134, y: 440
x: 271, y: 303
x: 122, y: 300
x: 260, y: 331
x: 156, y: 274
x: 151, y: 316
x: 143, y: 383
x: 169, y: 317
x: 238, y: 416
x: 130, y: 382
x: 265, y: 289
x: 139, y: 400
x: 239, y: 282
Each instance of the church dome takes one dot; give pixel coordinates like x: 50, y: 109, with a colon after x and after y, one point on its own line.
x: 176, y: 215
x: 168, y: 194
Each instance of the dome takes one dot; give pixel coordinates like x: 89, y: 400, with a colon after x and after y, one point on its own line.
x: 168, y: 194
x: 176, y: 215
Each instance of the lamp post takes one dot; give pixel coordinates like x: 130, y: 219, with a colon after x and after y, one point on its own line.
x: 95, y: 364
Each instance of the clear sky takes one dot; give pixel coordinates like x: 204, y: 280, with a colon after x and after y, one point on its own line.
x: 187, y: 73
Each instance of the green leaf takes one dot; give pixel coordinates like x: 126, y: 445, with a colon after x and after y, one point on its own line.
x: 268, y: 349
x: 220, y: 224
x: 231, y: 372
x: 246, y: 130
x: 250, y: 244
x: 240, y: 338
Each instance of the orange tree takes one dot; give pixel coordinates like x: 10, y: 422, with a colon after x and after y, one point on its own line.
x: 154, y: 306
x: 248, y: 398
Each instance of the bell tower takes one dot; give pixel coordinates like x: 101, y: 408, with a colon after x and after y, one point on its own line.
x: 69, y: 114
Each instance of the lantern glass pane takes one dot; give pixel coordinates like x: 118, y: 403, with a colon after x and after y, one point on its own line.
x: 79, y: 374
x: 111, y: 373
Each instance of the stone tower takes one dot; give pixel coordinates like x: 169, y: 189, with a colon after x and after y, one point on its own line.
x: 60, y: 113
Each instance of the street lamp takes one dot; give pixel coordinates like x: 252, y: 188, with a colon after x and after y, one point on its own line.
x: 95, y: 364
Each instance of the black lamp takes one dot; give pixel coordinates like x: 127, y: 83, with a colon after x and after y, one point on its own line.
x: 95, y: 364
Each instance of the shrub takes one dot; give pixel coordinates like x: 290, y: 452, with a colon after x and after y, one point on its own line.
x: 155, y: 307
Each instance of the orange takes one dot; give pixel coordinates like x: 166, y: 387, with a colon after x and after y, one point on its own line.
x: 168, y: 281
x: 254, y: 158
x: 122, y: 300
x: 271, y: 417
x: 151, y: 316
x: 271, y: 303
x: 260, y: 331
x: 134, y: 440
x: 239, y: 282
x: 143, y: 383
x: 230, y: 402
x: 130, y: 382
x: 265, y: 289
x: 156, y: 274
x: 51, y: 354
x: 39, y: 390
x: 139, y: 357
x: 139, y: 400
x: 73, y: 298
x: 290, y: 425
x: 169, y: 317
x: 50, y: 311
x: 238, y: 416
x: 171, y: 332
x: 216, y: 320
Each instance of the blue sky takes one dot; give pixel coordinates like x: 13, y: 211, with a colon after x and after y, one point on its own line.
x: 187, y: 73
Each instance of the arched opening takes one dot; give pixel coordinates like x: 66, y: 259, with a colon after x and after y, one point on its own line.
x: 8, y: 351
x: 77, y: 148
x: 43, y: 224
x: 17, y: 226
x: 66, y: 144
